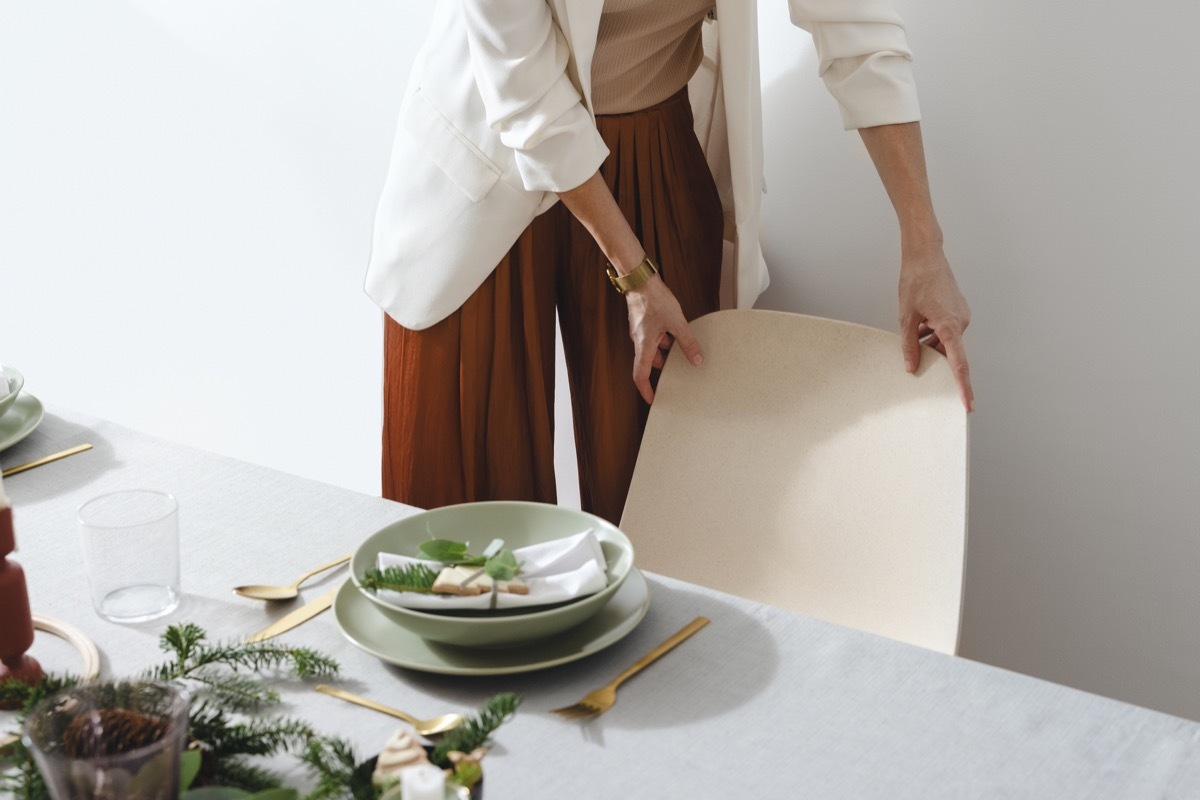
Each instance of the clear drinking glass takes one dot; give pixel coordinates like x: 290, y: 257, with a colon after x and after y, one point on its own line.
x: 115, y: 741
x: 131, y: 552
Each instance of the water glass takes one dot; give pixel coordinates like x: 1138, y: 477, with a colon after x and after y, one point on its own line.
x: 131, y: 551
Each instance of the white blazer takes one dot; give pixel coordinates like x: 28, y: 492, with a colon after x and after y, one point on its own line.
x: 498, y: 118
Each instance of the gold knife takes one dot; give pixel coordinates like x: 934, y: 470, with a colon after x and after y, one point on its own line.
x: 297, y: 617
x: 46, y: 460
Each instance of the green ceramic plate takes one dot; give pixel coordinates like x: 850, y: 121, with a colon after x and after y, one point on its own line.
x: 519, y: 524
x: 20, y: 420
x: 368, y: 629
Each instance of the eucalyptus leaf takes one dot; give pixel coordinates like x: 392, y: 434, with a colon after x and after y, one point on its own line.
x: 449, y: 552
x: 503, y: 566
x: 443, y: 550
x: 275, y: 794
x: 152, y: 775
x: 189, y: 768
x: 215, y: 793
x: 467, y: 773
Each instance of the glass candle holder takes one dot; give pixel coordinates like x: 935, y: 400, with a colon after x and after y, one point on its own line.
x: 113, y: 741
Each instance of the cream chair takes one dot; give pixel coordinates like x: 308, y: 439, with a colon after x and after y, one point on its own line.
x: 801, y: 466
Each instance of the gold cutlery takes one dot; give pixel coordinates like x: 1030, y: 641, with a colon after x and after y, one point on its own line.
x: 45, y: 460
x: 260, y: 592
x: 425, y: 727
x: 297, y: 617
x: 597, y: 702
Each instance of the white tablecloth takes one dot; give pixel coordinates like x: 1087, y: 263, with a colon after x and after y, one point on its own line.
x: 761, y: 703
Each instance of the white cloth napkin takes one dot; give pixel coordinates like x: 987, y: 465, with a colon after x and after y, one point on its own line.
x: 563, y: 569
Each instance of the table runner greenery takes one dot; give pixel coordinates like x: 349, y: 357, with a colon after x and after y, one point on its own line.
x: 229, y: 689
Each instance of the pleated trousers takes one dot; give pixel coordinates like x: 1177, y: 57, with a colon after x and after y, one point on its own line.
x: 469, y: 401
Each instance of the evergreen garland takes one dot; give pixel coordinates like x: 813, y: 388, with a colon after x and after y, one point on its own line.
x: 223, y: 695
x: 222, y: 691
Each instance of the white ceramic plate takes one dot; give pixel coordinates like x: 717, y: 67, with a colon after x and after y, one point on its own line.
x: 20, y: 420
x: 368, y: 629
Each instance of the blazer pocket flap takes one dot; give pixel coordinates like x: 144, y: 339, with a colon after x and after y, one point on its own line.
x: 456, y: 155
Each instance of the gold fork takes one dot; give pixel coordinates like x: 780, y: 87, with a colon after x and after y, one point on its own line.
x: 596, y: 703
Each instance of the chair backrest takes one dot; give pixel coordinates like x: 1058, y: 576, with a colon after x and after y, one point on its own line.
x: 801, y: 466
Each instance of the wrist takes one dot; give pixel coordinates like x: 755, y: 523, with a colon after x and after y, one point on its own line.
x: 633, y: 279
x: 920, y: 239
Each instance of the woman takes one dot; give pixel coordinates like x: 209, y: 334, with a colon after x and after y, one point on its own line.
x: 515, y: 105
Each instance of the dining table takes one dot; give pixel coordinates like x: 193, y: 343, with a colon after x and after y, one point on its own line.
x: 762, y: 702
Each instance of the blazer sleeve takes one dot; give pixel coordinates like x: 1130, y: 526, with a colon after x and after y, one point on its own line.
x: 864, y: 59
x: 519, y: 58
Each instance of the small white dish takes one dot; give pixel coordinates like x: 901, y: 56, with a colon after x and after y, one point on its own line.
x: 21, y: 420
x: 15, y: 380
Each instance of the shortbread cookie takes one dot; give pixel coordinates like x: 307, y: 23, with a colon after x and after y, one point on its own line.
x: 473, y: 580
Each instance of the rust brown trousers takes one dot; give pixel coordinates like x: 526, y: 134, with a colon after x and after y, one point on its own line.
x: 469, y: 402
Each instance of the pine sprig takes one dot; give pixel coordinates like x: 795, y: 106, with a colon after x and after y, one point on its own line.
x: 217, y: 732
x: 193, y: 654
x: 235, y: 691
x: 477, y: 729
x: 23, y: 781
x: 409, y: 578
x: 21, y: 695
x: 333, y: 762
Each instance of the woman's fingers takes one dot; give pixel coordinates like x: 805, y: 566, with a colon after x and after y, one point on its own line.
x: 934, y: 312
x: 656, y: 322
x: 946, y: 338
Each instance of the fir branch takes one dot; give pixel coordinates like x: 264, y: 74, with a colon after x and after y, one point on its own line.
x: 409, y: 578
x: 236, y: 692
x: 226, y: 742
x: 23, y: 781
x: 333, y: 763
x: 477, y: 729
x: 182, y: 640
x: 217, y: 733
x: 304, y: 661
x: 18, y: 694
x: 236, y: 774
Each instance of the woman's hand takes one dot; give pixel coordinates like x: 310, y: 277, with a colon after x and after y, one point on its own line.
x: 934, y: 312
x: 932, y: 309
x: 655, y: 322
x: 655, y: 318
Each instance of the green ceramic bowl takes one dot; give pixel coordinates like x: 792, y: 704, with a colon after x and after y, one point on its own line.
x: 15, y: 381
x: 519, y: 525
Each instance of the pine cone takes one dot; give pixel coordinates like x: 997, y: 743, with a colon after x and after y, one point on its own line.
x: 111, y: 731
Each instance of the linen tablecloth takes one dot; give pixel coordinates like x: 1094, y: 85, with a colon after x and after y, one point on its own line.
x: 761, y: 703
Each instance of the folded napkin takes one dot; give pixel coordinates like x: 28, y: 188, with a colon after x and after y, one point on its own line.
x: 556, y: 571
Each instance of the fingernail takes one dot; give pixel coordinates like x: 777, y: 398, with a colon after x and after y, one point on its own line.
x: 697, y: 359
x: 908, y: 364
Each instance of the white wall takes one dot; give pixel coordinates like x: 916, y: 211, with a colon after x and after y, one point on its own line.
x: 1062, y: 149
x: 186, y: 201
x: 186, y: 192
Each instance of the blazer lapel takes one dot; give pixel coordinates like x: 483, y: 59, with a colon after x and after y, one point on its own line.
x: 579, y: 21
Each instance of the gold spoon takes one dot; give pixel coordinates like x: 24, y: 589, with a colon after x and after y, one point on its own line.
x: 424, y: 727
x: 259, y: 592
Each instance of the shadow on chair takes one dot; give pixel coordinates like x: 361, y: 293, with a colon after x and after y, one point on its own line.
x: 801, y: 466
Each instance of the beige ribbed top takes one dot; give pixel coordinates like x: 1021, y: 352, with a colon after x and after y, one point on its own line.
x: 646, y: 51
